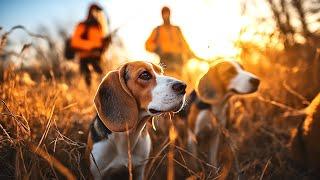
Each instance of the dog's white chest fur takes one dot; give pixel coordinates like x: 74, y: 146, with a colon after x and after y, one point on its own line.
x: 112, y: 153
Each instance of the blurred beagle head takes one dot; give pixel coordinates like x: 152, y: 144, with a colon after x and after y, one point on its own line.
x: 225, y: 77
x: 136, y: 87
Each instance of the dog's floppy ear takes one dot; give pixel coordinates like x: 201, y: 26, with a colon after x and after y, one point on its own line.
x: 210, y: 88
x: 116, y: 106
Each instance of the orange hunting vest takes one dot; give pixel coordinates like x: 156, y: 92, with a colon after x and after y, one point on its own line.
x: 93, y: 40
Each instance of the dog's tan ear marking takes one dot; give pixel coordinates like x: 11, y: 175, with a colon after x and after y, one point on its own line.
x: 210, y: 88
x: 116, y: 106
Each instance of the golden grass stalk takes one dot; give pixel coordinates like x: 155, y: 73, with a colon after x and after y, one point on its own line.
x: 264, y: 169
x: 52, y: 161
x: 172, y: 137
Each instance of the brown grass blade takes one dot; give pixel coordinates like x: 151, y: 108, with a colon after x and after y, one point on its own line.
x: 52, y: 161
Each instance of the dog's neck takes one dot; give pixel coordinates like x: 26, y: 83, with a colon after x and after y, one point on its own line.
x: 220, y: 109
x: 143, y: 118
x: 140, y: 129
x: 121, y: 138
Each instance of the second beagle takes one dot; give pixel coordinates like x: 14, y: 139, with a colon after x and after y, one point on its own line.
x: 208, y: 105
x: 126, y: 99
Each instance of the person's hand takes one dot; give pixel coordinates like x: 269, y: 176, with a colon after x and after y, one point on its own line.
x: 108, y: 39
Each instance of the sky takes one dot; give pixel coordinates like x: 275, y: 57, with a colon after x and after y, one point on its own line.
x: 209, y: 26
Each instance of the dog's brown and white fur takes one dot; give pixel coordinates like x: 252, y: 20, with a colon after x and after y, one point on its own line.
x: 126, y: 99
x: 207, y: 112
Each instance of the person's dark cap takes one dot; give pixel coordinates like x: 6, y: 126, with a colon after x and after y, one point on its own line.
x: 95, y: 7
x: 165, y: 9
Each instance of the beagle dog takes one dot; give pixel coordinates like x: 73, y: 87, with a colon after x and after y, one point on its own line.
x: 207, y: 105
x: 126, y: 99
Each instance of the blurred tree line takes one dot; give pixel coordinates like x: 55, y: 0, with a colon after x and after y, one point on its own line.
x: 294, y: 20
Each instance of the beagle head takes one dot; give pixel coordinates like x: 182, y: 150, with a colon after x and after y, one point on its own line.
x: 225, y: 77
x: 134, y: 88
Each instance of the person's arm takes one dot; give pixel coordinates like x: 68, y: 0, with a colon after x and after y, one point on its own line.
x: 185, y: 46
x: 83, y: 44
x: 151, y: 43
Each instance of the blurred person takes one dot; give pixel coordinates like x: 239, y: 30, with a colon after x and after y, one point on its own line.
x: 168, y: 43
x: 89, y: 41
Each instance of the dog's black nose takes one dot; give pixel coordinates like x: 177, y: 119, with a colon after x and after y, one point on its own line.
x: 255, y: 82
x: 179, y: 87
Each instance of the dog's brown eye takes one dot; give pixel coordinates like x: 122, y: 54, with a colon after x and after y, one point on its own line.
x: 145, y: 75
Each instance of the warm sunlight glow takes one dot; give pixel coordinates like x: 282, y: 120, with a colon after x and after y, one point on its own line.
x: 210, y: 27
x: 194, y: 69
x: 194, y: 65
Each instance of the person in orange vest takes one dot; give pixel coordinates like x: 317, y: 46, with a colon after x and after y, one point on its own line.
x: 89, y: 41
x: 168, y: 43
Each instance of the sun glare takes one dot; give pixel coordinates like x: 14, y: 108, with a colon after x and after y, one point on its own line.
x: 214, y: 29
x: 210, y: 27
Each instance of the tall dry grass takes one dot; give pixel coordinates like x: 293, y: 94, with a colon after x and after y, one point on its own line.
x: 41, y: 121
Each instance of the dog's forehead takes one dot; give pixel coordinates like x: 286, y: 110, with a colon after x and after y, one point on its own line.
x: 237, y: 65
x: 232, y: 64
x: 138, y: 65
x: 224, y: 65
